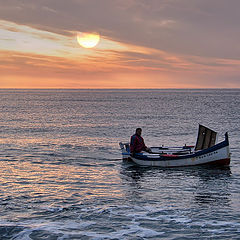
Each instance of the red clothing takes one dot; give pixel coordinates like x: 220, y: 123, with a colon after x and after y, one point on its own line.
x: 137, y: 144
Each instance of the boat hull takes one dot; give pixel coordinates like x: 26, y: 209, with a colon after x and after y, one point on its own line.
x: 182, y: 163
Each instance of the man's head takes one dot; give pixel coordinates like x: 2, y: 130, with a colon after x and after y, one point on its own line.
x: 139, y: 131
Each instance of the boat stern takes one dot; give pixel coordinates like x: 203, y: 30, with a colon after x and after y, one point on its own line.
x: 125, y: 148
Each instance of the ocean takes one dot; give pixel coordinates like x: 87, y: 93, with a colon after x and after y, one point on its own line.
x: 62, y: 176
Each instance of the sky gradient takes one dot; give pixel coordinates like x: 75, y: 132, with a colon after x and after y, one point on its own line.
x: 143, y: 44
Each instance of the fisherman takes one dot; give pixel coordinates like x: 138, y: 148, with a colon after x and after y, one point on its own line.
x: 137, y: 143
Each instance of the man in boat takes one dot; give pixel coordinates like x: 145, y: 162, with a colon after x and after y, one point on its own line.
x: 137, y: 143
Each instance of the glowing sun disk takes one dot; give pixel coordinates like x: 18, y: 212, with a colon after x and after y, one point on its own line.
x: 88, y: 40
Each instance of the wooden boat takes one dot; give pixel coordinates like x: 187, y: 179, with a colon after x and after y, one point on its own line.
x: 205, y: 152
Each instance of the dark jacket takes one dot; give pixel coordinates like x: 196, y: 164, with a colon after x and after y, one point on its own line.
x: 137, y: 144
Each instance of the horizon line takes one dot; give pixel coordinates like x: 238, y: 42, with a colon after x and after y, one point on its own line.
x: 61, y: 88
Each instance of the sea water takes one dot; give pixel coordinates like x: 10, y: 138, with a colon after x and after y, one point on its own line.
x: 62, y: 177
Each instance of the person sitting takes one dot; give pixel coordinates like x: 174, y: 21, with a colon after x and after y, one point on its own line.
x: 137, y: 143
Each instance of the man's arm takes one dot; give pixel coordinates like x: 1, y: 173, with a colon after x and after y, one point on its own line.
x: 146, y: 148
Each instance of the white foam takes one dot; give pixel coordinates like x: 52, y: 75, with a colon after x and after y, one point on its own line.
x: 135, y: 216
x: 132, y: 229
x: 24, y: 235
x: 147, y: 212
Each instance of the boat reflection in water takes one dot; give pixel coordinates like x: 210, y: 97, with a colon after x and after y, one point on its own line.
x: 201, y: 185
x: 213, y: 186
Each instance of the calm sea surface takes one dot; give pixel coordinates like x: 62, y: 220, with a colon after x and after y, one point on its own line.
x: 62, y: 176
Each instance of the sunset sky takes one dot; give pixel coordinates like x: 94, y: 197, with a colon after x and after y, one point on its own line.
x: 143, y: 44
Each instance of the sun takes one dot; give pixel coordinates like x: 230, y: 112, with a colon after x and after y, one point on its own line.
x: 88, y: 40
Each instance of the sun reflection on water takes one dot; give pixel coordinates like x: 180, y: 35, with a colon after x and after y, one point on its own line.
x: 50, y: 182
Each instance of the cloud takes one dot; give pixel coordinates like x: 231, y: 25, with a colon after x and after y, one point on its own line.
x: 193, y: 27
x: 124, y: 69
x: 144, y: 43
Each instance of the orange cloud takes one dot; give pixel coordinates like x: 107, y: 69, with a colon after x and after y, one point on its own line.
x: 31, y: 58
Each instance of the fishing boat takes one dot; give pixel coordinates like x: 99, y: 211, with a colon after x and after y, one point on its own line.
x: 206, y: 151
